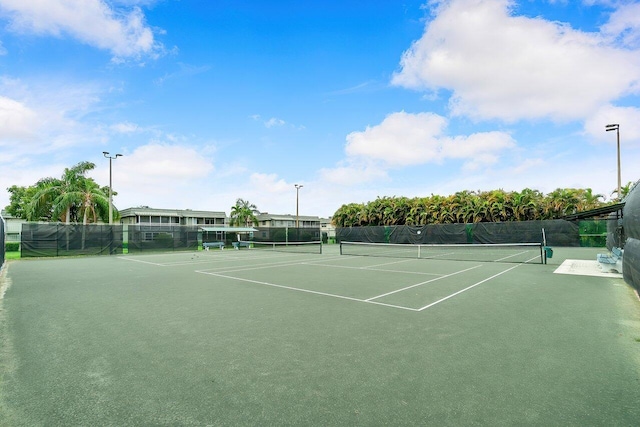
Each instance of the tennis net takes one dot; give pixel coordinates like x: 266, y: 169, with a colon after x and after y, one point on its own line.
x: 502, y: 252
x: 293, y: 247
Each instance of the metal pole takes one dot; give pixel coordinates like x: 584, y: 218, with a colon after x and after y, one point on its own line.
x: 110, y: 195
x: 298, y: 187
x: 619, y: 176
x: 616, y: 127
x: 108, y: 156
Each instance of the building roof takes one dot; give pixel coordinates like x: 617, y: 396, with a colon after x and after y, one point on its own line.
x: 594, y: 212
x: 229, y: 229
x: 181, y: 213
x: 268, y: 216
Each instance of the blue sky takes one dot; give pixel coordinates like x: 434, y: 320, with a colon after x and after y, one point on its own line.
x: 210, y: 101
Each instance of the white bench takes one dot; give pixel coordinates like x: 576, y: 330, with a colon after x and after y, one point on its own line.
x: 238, y: 245
x: 611, y: 262
x: 208, y: 245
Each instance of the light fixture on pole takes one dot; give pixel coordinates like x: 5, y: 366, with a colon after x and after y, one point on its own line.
x: 108, y: 156
x: 298, y: 187
x: 616, y: 127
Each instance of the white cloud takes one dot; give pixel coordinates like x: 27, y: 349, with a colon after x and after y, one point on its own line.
x: 353, y: 173
x: 624, y: 24
x: 627, y: 117
x: 268, y: 183
x: 272, y: 122
x: 43, y: 118
x: 124, y: 33
x: 512, y: 67
x: 17, y: 121
x: 125, y: 127
x: 161, y: 164
x: 404, y: 139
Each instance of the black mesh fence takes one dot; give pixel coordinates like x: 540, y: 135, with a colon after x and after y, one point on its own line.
x: 429, y: 234
x: 558, y: 233
x: 631, y: 224
x: 631, y: 262
x: 615, y: 231
x: 143, y: 238
x: 631, y: 214
x: 50, y: 240
x: 287, y: 234
x: 372, y: 234
x: 2, y: 246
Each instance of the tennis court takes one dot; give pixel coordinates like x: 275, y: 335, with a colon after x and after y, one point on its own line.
x: 260, y: 337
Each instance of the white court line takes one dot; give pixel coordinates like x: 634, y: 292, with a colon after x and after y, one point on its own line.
x: 262, y: 266
x: 140, y: 261
x: 421, y: 283
x: 391, y: 262
x: 420, y: 273
x: 307, y: 291
x: 467, y: 288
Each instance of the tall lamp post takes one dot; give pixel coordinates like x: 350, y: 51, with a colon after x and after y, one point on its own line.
x: 616, y: 127
x: 298, y: 187
x: 108, y: 156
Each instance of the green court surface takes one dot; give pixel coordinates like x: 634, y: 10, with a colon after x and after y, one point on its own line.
x: 254, y: 337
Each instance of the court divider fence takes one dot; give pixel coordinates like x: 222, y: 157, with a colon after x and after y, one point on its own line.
x: 558, y: 233
x: 56, y: 239
x: 286, y: 234
x: 631, y: 230
x: 143, y: 238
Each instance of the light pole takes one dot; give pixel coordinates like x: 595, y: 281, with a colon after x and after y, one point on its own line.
x: 298, y: 187
x: 616, y: 127
x: 107, y: 155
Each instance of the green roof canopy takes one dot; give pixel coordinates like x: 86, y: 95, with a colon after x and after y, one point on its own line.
x: 229, y: 229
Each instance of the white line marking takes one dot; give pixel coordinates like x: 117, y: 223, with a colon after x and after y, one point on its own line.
x: 389, y: 263
x: 142, y: 262
x: 420, y: 273
x: 421, y: 283
x: 467, y: 288
x: 306, y: 291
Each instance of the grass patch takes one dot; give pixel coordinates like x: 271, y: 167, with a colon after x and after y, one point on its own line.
x: 12, y: 255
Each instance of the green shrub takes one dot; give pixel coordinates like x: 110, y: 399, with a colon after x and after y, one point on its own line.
x: 12, y: 246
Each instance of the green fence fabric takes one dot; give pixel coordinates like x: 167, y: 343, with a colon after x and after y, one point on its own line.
x: 53, y: 239
x: 631, y: 213
x: 142, y: 238
x: 631, y: 226
x: 286, y: 234
x: 631, y: 262
x: 558, y: 233
x: 2, y: 244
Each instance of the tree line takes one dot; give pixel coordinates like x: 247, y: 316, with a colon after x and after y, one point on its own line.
x: 76, y: 198
x: 469, y: 207
x: 72, y: 198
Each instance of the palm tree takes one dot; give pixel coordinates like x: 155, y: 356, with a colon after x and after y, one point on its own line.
x: 244, y: 213
x: 64, y: 194
x: 94, y: 202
